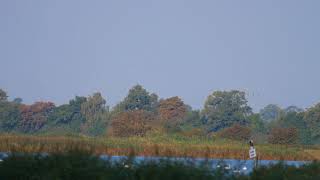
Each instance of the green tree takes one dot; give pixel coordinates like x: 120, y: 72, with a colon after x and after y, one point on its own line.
x: 270, y: 113
x: 95, y: 112
x: 293, y: 109
x: 17, y: 100
x: 138, y: 98
x: 3, y: 95
x: 295, y: 120
x: 257, y: 124
x: 9, y: 113
x: 224, y: 108
x: 66, y: 118
x: 193, y: 119
x: 9, y: 116
x: 312, y: 119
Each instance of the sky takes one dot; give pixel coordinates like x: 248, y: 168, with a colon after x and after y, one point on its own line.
x: 55, y: 50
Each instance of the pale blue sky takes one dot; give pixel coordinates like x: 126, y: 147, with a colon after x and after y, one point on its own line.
x: 54, y: 50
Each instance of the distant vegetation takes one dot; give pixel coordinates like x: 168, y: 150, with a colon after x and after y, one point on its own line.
x: 226, y: 114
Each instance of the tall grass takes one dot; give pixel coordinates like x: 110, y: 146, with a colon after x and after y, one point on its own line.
x: 164, y: 145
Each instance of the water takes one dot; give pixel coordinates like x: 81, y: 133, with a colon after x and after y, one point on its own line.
x: 233, y: 165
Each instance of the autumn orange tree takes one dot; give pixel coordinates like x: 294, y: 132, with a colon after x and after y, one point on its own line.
x: 171, y: 111
x: 131, y: 123
x: 34, y: 117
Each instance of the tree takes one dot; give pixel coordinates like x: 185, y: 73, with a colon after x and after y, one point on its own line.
x: 312, y: 119
x: 66, y: 118
x: 172, y: 112
x: 94, y: 104
x: 9, y: 113
x: 224, y: 108
x: 293, y: 109
x: 17, y: 100
x: 9, y: 116
x: 257, y: 124
x: 3, y: 95
x: 138, y: 99
x: 193, y: 119
x: 95, y: 112
x: 293, y: 119
x: 131, y: 123
x: 172, y: 109
x: 35, y: 116
x: 270, y: 113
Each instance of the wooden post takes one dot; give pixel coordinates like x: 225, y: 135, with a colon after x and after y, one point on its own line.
x: 255, y: 158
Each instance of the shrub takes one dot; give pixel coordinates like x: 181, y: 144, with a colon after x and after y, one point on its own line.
x: 236, y: 132
x: 194, y: 132
x: 283, y: 136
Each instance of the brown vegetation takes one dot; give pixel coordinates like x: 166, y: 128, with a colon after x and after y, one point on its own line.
x: 283, y: 136
x: 172, y: 109
x: 150, y: 147
x: 34, y: 116
x: 131, y: 123
x: 236, y: 132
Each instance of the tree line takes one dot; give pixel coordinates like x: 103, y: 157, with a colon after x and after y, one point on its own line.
x: 225, y: 114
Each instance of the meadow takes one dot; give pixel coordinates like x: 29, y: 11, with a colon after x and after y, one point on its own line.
x: 162, y: 145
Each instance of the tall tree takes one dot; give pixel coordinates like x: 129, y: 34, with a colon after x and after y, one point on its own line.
x: 270, y: 113
x: 293, y: 109
x: 138, y: 98
x: 3, y: 95
x: 312, y: 118
x: 295, y: 120
x: 95, y: 112
x: 9, y: 113
x: 9, y: 116
x: 257, y: 124
x: 35, y: 116
x: 172, y: 112
x: 131, y: 123
x: 67, y: 118
x: 225, y: 108
x: 172, y: 109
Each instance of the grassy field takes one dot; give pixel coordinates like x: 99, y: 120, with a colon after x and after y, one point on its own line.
x: 155, y: 145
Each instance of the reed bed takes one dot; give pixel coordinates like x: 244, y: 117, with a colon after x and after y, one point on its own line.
x: 164, y: 146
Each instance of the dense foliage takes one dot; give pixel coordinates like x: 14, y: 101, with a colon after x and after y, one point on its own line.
x: 132, y: 123
x: 224, y: 108
x: 225, y: 113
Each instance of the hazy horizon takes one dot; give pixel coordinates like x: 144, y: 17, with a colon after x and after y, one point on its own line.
x: 54, y: 50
